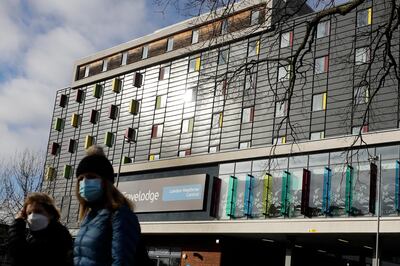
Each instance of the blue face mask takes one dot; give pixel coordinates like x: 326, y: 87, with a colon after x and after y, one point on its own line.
x: 90, y: 189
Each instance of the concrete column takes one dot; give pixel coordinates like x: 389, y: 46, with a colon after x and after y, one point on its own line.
x: 288, y: 257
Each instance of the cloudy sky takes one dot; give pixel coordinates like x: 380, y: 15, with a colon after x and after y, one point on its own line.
x: 40, y: 40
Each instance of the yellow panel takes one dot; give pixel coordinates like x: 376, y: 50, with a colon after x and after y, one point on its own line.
x: 324, y: 101
x: 75, y: 120
x: 116, y: 85
x: 197, y: 67
x: 257, y: 47
x: 151, y: 157
x: 369, y: 16
x: 220, y: 119
x: 88, y: 141
x: 283, y: 140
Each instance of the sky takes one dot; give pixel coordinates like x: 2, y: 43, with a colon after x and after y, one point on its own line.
x: 39, y: 42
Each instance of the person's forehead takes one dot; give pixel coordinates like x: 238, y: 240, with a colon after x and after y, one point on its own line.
x: 34, y: 206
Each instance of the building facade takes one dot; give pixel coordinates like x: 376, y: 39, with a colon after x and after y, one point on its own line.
x: 223, y: 167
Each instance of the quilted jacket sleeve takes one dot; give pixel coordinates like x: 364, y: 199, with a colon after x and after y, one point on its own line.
x: 125, y: 237
x: 17, y: 243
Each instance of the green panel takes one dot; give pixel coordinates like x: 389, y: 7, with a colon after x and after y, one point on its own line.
x: 190, y: 128
x: 116, y: 85
x: 109, y: 139
x: 67, y: 171
x: 231, y: 200
x: 58, y: 124
x: 267, y: 193
x: 97, y: 90
x: 158, y: 102
x: 126, y: 160
x: 349, y: 189
x: 134, y: 107
x: 285, y: 197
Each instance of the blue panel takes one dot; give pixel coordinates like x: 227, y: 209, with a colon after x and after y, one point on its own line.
x: 397, y: 187
x: 326, y: 194
x: 248, y: 195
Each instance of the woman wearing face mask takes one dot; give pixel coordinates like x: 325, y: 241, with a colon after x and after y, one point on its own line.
x: 110, y: 231
x: 46, y: 242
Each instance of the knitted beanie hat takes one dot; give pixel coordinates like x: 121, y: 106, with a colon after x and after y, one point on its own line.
x: 96, y: 162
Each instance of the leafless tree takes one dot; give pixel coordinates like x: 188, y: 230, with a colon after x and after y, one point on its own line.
x: 20, y: 174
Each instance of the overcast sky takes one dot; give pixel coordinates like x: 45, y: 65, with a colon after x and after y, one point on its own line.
x: 40, y: 40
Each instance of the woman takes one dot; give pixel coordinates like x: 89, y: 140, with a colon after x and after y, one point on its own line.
x: 46, y: 242
x: 110, y: 231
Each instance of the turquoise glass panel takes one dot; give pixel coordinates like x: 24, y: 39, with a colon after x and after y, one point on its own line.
x: 248, y: 195
x: 349, y: 189
x: 285, y: 197
x: 326, y: 194
x: 231, y: 200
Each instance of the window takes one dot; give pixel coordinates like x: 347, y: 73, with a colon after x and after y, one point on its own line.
x: 164, y: 72
x: 156, y: 131
x: 283, y: 73
x: 50, y: 173
x: 126, y: 160
x: 213, y: 149
x: 364, y: 17
x: 224, y: 26
x: 279, y: 140
x: 195, y: 36
x: 80, y: 94
x: 251, y: 81
x: 253, y: 48
x: 109, y: 139
x: 94, y: 116
x: 87, y: 68
x: 75, y: 120
x: 170, y: 44
x: 244, y: 145
x: 161, y: 101
x: 116, y: 85
x: 280, y: 108
x: 287, y: 39
x: 217, y: 120
x: 113, y: 112
x: 72, y: 145
x: 194, y: 64
x: 130, y: 134
x: 361, y: 95
x: 137, y: 79
x: 221, y: 87
x: 154, y: 157
x: 58, y: 124
x: 89, y: 141
x: 248, y: 115
x: 145, y: 52
x: 63, y: 100
x: 317, y: 135
x: 189, y: 96
x: 105, y: 64
x: 319, y: 102
x: 124, y: 58
x: 97, y: 90
x: 67, y: 171
x: 134, y: 107
x: 356, y: 129
x: 55, y: 148
x: 187, y: 125
x: 321, y: 64
x: 223, y: 56
x: 255, y: 17
x: 323, y: 29
x: 362, y: 55
x: 184, y: 153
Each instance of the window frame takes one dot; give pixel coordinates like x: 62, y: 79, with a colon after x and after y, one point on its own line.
x: 288, y: 40
x: 145, y: 52
x: 157, y: 131
x: 321, y: 101
x: 170, y: 44
x: 163, y: 74
x: 324, y: 66
x: 248, y: 114
x: 324, y: 27
x: 254, y: 20
x: 195, y: 36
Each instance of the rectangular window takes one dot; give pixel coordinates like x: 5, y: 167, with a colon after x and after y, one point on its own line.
x: 319, y: 102
x: 223, y: 56
x: 130, y: 134
x: 154, y: 157
x: 361, y: 95
x: 362, y: 55
x: 194, y: 64
x: 244, y: 145
x: 72, y: 145
x: 94, y: 116
x: 105, y: 64
x: 323, y: 29
x: 113, y: 112
x: 50, y: 173
x: 156, y: 131
x: 89, y: 141
x: 145, y: 52
x: 58, y: 124
x: 164, y: 72
x: 253, y: 48
x: 189, y: 96
x: 221, y: 87
x: 109, y: 139
x: 55, y: 148
x: 184, y: 153
x: 79, y: 95
x: 116, y: 85
x: 279, y: 140
x: 248, y: 115
x: 251, y: 81
x: 224, y: 26
x: 217, y: 120
x: 284, y: 73
x: 213, y: 149
x: 195, y: 36
x: 87, y: 68
x: 126, y: 160
x: 161, y: 101
x: 255, y: 17
x: 75, y: 120
x: 364, y: 17
x: 187, y: 125
x: 67, y: 171
x: 317, y: 135
x: 170, y: 44
x: 97, y: 90
x: 321, y: 64
x: 137, y: 80
x: 134, y: 107
x: 287, y: 39
x: 63, y: 100
x: 280, y: 109
x: 124, y: 58
x: 356, y: 129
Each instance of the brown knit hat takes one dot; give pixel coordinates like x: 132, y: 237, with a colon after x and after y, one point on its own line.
x: 96, y: 162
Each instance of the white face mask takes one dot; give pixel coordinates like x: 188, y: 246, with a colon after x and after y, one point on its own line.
x: 37, y: 221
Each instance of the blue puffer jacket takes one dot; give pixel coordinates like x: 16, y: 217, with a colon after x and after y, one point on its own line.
x: 107, y: 238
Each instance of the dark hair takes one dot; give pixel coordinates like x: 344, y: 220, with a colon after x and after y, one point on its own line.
x: 45, y: 201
